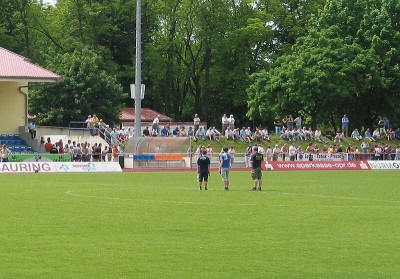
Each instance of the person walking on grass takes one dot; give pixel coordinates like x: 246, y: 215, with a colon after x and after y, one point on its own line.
x: 224, y: 167
x: 203, y: 169
x: 256, y: 171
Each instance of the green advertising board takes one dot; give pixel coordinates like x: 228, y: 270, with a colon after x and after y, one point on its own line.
x: 39, y: 158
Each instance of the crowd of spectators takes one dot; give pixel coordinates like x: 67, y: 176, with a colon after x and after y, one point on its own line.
x: 83, y: 152
x: 116, y: 136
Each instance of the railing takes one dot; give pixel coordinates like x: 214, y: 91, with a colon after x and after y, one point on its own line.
x: 82, y: 125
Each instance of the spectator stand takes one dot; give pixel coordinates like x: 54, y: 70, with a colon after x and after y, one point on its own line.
x: 15, y: 144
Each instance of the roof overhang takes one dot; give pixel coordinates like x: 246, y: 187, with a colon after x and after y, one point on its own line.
x: 30, y: 80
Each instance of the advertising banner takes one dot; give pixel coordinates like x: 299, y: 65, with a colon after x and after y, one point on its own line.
x: 45, y: 157
x: 322, y: 157
x: 384, y: 165
x: 54, y: 167
x: 319, y: 165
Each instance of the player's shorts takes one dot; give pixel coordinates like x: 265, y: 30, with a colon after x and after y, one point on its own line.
x: 225, y: 174
x: 203, y: 176
x: 256, y: 174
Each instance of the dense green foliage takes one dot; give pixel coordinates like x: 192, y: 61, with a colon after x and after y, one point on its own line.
x: 253, y: 58
x: 197, y: 55
x: 90, y: 91
x: 348, y: 63
x: 159, y: 225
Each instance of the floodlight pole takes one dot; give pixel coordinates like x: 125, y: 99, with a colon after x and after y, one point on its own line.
x: 138, y: 74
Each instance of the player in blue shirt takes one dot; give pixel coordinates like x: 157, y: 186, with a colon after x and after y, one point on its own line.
x: 224, y: 166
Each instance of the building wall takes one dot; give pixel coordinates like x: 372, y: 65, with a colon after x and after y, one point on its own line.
x: 12, y: 107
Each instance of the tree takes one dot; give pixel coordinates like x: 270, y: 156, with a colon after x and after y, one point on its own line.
x: 345, y: 64
x: 84, y: 89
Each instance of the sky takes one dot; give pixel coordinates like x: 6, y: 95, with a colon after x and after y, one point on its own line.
x: 51, y: 2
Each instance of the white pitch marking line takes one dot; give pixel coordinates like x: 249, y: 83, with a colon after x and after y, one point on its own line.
x: 336, y: 197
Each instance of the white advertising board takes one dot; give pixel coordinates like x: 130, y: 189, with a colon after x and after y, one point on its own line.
x: 54, y: 167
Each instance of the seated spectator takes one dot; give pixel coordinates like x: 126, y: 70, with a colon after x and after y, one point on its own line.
x: 368, y: 135
x: 175, y: 132
x: 216, y: 133
x: 356, y: 135
x: 200, y: 134
x: 318, y: 135
x: 229, y: 134
x: 397, y: 133
x: 390, y: 135
x: 210, y: 134
x: 146, y: 132
x: 339, y: 136
x: 258, y: 135
x: 249, y: 134
x: 265, y: 135
x: 182, y: 132
x: 376, y: 134
x: 242, y: 133
x: 190, y: 134
x: 329, y: 134
x: 165, y: 132
x: 236, y: 135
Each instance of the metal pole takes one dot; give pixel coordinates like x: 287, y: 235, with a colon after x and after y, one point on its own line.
x: 138, y: 74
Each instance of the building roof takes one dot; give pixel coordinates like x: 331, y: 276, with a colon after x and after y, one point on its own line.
x: 148, y: 115
x: 14, y: 67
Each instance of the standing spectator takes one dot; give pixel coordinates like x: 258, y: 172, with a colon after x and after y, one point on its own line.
x: 386, y: 123
x: 32, y: 129
x: 292, y: 152
x: 90, y: 124
x: 225, y: 123
x: 209, y: 152
x: 298, y: 121
x: 365, y: 146
x: 278, y: 126
x: 224, y: 167
x: 345, y: 125
x: 289, y: 122
x: 275, y: 152
x: 247, y: 155
x: 269, y: 153
x: 285, y: 151
x: 48, y: 146
x: 231, y: 121
x: 256, y: 170
x: 203, y: 169
x: 155, y: 125
x: 5, y: 153
x: 232, y: 152
x: 397, y: 153
x: 196, y: 123
x: 310, y: 151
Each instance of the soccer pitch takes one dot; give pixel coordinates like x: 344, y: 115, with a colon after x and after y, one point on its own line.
x: 159, y: 225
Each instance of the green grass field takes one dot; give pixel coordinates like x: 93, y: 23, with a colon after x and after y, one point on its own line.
x: 159, y: 225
